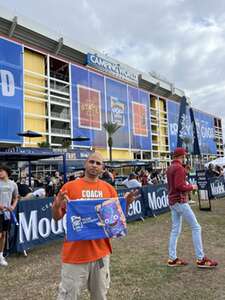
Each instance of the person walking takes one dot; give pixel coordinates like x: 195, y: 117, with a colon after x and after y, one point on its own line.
x: 180, y: 209
x: 86, y: 263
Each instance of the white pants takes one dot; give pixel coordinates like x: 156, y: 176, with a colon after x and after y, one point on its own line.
x: 94, y: 275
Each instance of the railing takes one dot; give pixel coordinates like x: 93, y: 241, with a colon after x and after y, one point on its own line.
x: 60, y: 131
x: 60, y: 115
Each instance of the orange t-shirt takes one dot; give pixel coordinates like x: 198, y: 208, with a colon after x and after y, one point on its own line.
x: 86, y: 251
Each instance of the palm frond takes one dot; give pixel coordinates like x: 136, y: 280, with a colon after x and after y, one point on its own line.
x: 111, y: 128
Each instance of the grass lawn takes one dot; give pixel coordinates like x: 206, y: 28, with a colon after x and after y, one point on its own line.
x: 138, y: 264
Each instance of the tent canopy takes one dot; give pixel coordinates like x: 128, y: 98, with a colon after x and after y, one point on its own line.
x: 219, y: 162
x: 17, y: 156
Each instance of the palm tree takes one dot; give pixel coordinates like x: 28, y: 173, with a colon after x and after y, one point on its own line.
x: 66, y: 143
x: 110, y: 128
x: 44, y: 144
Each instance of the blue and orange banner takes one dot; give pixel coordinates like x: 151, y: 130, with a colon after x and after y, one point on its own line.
x: 117, y: 111
x: 139, y: 119
x: 88, y: 106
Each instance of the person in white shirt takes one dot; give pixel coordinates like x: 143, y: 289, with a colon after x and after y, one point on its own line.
x: 131, y: 181
x: 8, y: 202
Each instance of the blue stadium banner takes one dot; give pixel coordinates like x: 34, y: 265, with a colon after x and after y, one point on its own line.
x: 36, y: 226
x: 156, y: 199
x: 117, y: 111
x: 139, y: 119
x: 96, y: 219
x: 173, y: 115
x: 88, y: 106
x: 11, y: 91
x: 205, y: 132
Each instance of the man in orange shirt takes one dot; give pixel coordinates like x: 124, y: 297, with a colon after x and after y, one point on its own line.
x: 86, y: 263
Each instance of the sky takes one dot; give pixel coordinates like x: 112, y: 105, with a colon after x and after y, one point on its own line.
x: 181, y: 40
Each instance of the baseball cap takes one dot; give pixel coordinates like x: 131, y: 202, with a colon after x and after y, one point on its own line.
x: 179, y: 151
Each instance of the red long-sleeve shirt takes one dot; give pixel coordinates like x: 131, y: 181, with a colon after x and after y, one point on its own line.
x: 177, y: 186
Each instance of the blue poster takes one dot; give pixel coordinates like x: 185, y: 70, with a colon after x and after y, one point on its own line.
x: 88, y: 106
x: 173, y: 115
x: 205, y: 132
x: 96, y: 219
x: 117, y: 111
x: 11, y: 91
x: 139, y: 119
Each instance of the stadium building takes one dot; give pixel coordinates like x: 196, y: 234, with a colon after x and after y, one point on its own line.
x: 61, y: 89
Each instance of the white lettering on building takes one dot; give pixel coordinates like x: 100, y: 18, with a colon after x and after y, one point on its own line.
x: 7, y: 83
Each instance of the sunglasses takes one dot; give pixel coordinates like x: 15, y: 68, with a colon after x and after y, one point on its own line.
x: 92, y: 162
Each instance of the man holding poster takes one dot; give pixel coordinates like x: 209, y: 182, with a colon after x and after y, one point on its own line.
x: 86, y: 262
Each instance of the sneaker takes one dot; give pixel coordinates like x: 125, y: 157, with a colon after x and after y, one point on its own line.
x: 191, y: 202
x: 206, y: 263
x: 176, y: 263
x: 3, y: 261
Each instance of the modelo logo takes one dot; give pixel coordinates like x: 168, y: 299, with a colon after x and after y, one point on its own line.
x: 134, y: 208
x: 33, y: 229
x: 217, y: 188
x: 7, y: 83
x: 158, y: 199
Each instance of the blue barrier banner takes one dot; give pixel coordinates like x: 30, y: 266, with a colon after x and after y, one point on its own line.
x: 88, y: 106
x: 205, y: 132
x: 117, y: 111
x: 217, y: 187
x: 36, y: 226
x: 173, y: 115
x: 11, y: 91
x: 139, y: 119
x: 192, y: 179
x: 136, y: 210
x: 96, y: 219
x: 156, y: 199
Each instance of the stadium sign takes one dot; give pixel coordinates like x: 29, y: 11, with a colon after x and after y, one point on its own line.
x: 113, y: 68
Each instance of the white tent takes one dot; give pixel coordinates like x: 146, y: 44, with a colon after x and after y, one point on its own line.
x: 219, y: 162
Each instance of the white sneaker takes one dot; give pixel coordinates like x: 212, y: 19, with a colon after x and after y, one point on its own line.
x: 3, y: 262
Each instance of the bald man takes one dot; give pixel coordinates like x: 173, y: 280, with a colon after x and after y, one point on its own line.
x: 86, y: 263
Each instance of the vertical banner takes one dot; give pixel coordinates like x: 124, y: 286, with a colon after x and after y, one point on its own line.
x: 205, y: 132
x: 11, y: 91
x: 173, y: 115
x: 117, y: 111
x: 185, y: 136
x: 139, y: 119
x: 196, y: 147
x: 88, y: 106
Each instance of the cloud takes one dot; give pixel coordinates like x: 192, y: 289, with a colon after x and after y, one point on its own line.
x: 182, y: 40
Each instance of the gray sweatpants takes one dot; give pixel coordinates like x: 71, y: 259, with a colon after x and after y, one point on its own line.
x: 93, y: 276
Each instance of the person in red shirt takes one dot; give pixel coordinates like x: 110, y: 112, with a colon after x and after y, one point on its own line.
x: 86, y: 263
x: 178, y: 189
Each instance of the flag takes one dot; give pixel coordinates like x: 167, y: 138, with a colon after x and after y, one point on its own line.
x: 196, y: 147
x: 96, y: 219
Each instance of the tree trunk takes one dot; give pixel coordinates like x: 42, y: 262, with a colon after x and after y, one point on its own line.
x: 110, y: 143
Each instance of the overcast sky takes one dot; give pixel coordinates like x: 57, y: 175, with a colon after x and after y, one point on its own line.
x: 183, y: 41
